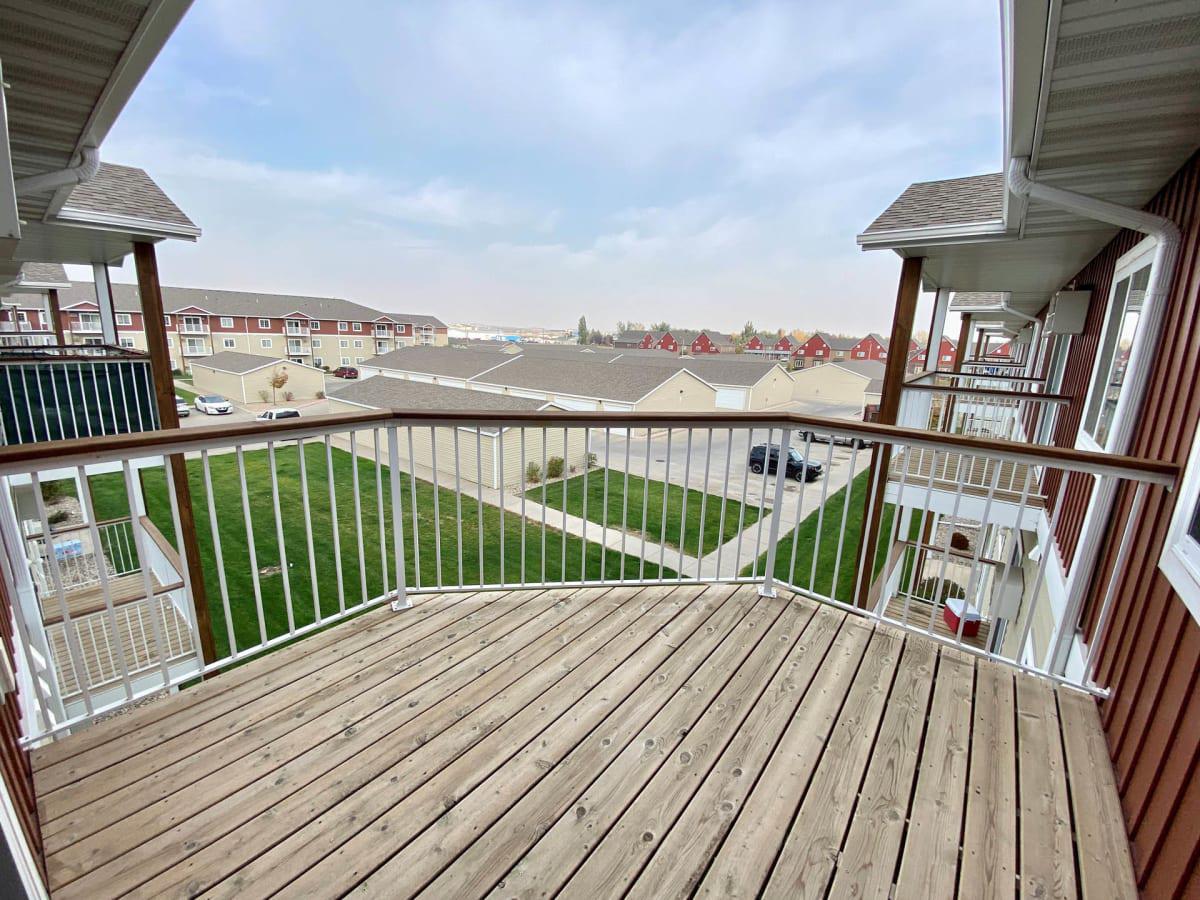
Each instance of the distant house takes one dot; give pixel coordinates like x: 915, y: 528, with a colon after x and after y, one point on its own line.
x: 824, y: 348
x: 856, y: 383
x: 711, y: 342
x: 947, y: 353
x: 634, y: 340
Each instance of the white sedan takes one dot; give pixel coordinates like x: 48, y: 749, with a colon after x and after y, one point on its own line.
x: 213, y: 405
x: 277, y: 415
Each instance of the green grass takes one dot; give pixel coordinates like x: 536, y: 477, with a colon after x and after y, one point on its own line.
x: 187, y: 395
x: 109, y: 497
x: 598, y: 511
x: 826, y: 549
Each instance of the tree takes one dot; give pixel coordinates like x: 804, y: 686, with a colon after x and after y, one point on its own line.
x: 661, y: 326
x: 748, y: 330
x: 583, y: 330
x: 279, y: 377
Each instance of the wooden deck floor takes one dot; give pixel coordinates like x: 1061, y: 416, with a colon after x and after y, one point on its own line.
x: 647, y: 742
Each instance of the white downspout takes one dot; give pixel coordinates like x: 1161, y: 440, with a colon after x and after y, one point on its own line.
x: 1162, y: 271
x: 84, y: 170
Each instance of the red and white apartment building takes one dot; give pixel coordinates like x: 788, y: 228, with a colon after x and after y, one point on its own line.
x: 678, y: 341
x: 315, y: 331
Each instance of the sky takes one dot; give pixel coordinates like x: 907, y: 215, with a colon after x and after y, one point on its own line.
x: 527, y: 163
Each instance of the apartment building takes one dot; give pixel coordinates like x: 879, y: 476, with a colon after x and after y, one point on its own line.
x: 317, y: 331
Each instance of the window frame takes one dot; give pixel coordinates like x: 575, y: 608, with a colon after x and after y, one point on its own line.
x: 1180, y: 558
x: 226, y: 321
x: 265, y: 343
x: 264, y: 323
x: 125, y: 319
x: 356, y: 326
x: 229, y: 343
x: 1127, y: 266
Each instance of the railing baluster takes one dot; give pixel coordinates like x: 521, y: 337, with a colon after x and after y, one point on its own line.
x: 89, y: 513
x: 604, y: 520
x: 358, y: 524
x: 503, y: 477
x: 625, y: 500
x: 258, y: 602
x: 812, y: 575
x: 645, y: 510
x: 949, y: 526
x: 545, y: 488
x: 401, y: 600
x: 767, y: 588
x: 687, y: 477
x: 379, y: 516
x: 724, y: 501
x: 1051, y: 531
x: 780, y: 463
x: 412, y: 496
x: 458, y: 544
x: 308, y: 534
x: 479, y: 498
x: 524, y: 491
x: 283, y: 562
x: 704, y: 502
x: 217, y: 553
x: 662, y: 537
x: 837, y: 562
x: 791, y: 570
x: 139, y: 539
x: 337, y: 528
x: 437, y: 510
x: 562, y: 572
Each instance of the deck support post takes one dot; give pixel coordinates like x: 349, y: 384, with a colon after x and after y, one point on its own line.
x: 908, y: 291
x: 55, y: 316
x: 104, y: 304
x: 964, y: 337
x: 937, y: 327
x: 767, y: 587
x: 150, y: 292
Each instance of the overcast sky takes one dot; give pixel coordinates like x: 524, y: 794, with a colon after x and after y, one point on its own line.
x: 526, y: 163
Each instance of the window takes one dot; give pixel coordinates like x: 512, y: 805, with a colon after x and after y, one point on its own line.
x: 345, y: 360
x: 23, y: 317
x: 124, y: 319
x: 1121, y: 321
x: 861, y: 354
x: 343, y: 343
x: 318, y: 361
x: 1180, y: 560
x: 358, y: 326
x: 170, y: 341
x: 358, y: 344
x: 316, y: 343
x: 818, y: 353
x: 226, y: 321
x: 127, y: 343
x: 316, y: 325
x: 264, y: 323
x: 358, y: 359
x: 265, y: 343
x: 228, y: 343
x: 341, y: 326
x: 166, y: 320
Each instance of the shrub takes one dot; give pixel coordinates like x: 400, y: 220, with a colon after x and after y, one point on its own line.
x: 592, y: 461
x: 533, y: 473
x: 928, y: 588
x: 554, y: 467
x: 320, y: 395
x: 959, y: 541
x: 55, y: 490
x: 58, y: 517
x: 264, y: 396
x: 289, y: 396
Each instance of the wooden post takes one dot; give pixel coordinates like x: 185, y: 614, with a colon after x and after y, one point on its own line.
x: 937, y: 326
x: 150, y: 292
x: 907, y: 293
x: 960, y: 352
x: 55, y: 316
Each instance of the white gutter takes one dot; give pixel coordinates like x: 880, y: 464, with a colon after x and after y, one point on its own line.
x: 1166, y: 252
x: 84, y: 170
x: 1162, y: 270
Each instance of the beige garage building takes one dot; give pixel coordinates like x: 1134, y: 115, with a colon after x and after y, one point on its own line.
x: 489, y: 455
x: 852, y: 382
x: 246, y: 378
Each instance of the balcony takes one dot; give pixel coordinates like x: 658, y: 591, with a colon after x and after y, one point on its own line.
x: 298, y: 348
x: 292, y: 329
x: 196, y: 348
x: 458, y: 670
x: 62, y: 392
x: 200, y: 327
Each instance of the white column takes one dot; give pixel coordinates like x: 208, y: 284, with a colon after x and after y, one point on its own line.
x: 104, y: 300
x: 933, y: 352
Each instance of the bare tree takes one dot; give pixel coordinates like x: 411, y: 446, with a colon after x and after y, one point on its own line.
x: 279, y: 377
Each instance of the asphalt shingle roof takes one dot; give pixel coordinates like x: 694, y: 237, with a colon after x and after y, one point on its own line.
x: 125, y: 191
x: 836, y: 342
x: 623, y: 382
x: 242, y: 303
x: 385, y: 392
x: 955, y: 201
x: 238, y: 363
x: 43, y: 273
x: 450, y: 362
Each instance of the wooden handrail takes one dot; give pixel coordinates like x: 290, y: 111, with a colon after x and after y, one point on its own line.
x: 20, y: 458
x: 160, y: 540
x: 987, y: 392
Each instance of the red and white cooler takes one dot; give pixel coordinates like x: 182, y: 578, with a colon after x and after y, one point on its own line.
x: 958, y: 610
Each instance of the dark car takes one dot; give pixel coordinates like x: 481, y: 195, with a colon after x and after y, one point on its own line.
x: 345, y: 372
x: 838, y: 440
x: 796, y: 467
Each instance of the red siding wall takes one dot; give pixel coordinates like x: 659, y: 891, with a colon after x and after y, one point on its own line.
x: 1151, y: 655
x: 14, y: 761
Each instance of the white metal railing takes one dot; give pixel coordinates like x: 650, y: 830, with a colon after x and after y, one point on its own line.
x: 984, y: 412
x: 80, y: 554
x: 193, y: 327
x: 304, y: 524
x: 295, y: 330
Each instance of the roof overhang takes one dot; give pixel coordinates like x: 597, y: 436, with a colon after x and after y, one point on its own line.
x: 1103, y: 100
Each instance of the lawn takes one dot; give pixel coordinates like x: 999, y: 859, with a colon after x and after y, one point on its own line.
x: 357, y: 582
x: 610, y: 513
x: 821, y: 578
x: 187, y: 395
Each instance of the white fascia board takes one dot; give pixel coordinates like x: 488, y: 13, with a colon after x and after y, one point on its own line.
x: 971, y: 232
x: 10, y: 219
x: 84, y: 218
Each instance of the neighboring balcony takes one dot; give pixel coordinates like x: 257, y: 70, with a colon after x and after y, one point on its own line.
x: 193, y: 327
x: 293, y: 329
x: 52, y: 393
x: 449, y: 651
x: 298, y: 348
x: 193, y: 347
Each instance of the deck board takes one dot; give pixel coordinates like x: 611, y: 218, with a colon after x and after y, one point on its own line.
x: 648, y: 742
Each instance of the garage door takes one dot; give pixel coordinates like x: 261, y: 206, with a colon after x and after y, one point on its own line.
x: 731, y: 398
x: 572, y: 403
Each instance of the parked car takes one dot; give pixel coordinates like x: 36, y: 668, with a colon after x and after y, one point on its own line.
x: 182, y: 408
x: 345, y: 372
x: 274, y: 415
x: 796, y: 467
x: 838, y: 440
x: 213, y: 405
